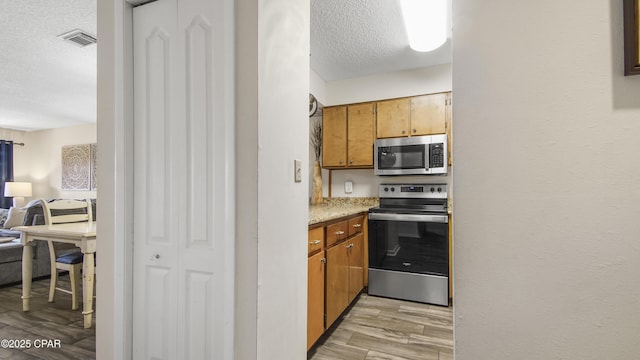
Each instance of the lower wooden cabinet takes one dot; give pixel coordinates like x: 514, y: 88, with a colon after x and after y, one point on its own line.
x: 337, y: 281
x: 315, y: 298
x: 336, y: 274
x: 356, y: 266
x: 345, y: 276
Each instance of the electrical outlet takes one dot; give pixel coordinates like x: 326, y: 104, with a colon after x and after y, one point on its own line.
x: 297, y: 170
x: 348, y: 187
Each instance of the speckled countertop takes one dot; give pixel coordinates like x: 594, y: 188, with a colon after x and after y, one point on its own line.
x: 333, y: 208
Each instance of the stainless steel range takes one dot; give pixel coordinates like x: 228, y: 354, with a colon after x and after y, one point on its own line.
x: 409, y: 243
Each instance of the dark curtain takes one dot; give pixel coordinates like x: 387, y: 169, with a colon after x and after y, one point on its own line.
x: 6, y: 170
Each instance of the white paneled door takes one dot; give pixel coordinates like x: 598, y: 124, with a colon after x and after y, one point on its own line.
x: 183, y: 202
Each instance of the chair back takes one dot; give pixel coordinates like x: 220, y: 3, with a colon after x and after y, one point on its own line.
x: 67, y: 211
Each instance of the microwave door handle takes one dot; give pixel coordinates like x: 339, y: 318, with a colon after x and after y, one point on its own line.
x: 427, y: 157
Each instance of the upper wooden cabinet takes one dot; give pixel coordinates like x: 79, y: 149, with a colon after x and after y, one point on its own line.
x: 360, y: 134
x: 428, y: 114
x: 348, y: 136
x: 393, y: 118
x: 414, y: 116
x: 334, y: 136
x: 349, y: 131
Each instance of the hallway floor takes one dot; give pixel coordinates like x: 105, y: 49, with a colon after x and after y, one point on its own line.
x: 45, y: 321
x: 373, y: 328
x: 380, y: 328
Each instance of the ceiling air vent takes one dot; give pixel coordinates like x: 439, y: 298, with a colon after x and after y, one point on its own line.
x: 79, y: 37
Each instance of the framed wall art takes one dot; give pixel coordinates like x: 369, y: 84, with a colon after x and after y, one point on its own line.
x: 631, y: 37
x: 79, y: 167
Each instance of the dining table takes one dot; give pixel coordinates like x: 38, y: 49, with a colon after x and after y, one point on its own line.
x: 80, y: 234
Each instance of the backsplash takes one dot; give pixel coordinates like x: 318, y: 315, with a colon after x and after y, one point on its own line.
x: 365, y: 183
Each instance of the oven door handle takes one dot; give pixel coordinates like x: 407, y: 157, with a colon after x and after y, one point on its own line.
x: 409, y: 217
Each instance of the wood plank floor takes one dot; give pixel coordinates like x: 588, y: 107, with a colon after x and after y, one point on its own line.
x: 374, y: 329
x: 51, y: 321
x: 379, y: 328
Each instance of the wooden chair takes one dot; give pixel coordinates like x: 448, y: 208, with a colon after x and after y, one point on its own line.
x: 61, y: 212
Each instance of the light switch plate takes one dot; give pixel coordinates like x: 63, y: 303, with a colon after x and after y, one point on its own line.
x: 348, y: 187
x: 297, y: 170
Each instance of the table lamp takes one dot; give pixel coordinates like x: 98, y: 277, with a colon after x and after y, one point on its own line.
x: 17, y: 190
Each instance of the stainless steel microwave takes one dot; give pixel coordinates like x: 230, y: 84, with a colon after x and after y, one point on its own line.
x: 418, y: 155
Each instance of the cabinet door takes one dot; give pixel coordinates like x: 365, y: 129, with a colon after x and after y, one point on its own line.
x: 356, y: 265
x: 392, y: 118
x: 337, y: 282
x: 334, y: 136
x: 360, y: 135
x: 428, y: 114
x: 315, y: 298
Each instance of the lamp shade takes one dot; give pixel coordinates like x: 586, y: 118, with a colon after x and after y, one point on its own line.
x: 13, y: 189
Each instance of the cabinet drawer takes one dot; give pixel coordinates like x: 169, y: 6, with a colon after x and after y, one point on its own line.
x: 355, y: 225
x: 337, y: 232
x: 316, y: 240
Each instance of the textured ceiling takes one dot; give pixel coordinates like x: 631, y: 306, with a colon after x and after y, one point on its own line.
x: 46, y: 82
x: 353, y: 38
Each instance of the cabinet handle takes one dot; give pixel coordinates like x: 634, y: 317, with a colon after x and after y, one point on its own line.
x: 414, y: 131
x: 357, y: 225
x: 341, y: 162
x: 339, y: 232
x: 350, y: 161
x: 314, y: 242
x: 403, y: 131
x: 349, y: 246
x: 323, y: 260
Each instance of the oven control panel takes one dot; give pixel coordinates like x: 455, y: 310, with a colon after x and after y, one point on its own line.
x: 432, y: 191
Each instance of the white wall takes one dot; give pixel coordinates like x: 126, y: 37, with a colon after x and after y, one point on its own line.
x: 365, y: 183
x: 317, y: 87
x: 547, y: 245
x: 45, y: 159
x: 378, y: 87
x: 273, y: 77
x: 426, y: 80
x: 115, y: 180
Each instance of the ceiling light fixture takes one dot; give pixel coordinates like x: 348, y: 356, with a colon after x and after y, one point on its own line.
x: 425, y: 22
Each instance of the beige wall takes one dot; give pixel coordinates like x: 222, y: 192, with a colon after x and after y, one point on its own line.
x: 39, y: 160
x: 547, y: 237
x: 44, y: 159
